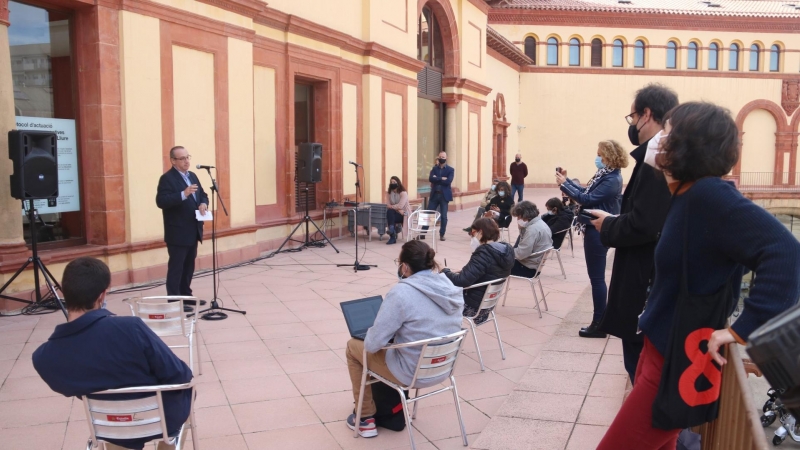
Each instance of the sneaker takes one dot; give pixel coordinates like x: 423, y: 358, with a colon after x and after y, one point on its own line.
x: 442, y: 238
x: 367, y: 427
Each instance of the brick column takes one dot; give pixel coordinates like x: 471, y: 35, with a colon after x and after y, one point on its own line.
x: 12, y: 245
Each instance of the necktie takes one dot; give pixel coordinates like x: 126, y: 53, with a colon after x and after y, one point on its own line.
x: 188, y: 183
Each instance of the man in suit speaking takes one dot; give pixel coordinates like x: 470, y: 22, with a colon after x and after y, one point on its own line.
x: 179, y: 196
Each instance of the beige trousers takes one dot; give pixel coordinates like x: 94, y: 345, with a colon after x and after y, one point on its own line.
x: 376, y: 362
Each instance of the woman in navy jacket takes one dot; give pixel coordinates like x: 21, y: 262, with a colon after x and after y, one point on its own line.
x: 603, y: 192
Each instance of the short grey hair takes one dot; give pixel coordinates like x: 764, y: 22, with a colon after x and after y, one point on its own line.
x: 172, y: 151
x: 525, y: 210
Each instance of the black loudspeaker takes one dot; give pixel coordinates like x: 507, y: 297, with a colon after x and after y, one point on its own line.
x: 309, y: 163
x: 35, y: 157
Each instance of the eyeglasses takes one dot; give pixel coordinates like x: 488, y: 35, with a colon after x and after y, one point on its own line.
x: 397, y: 262
x: 185, y: 158
x: 629, y: 118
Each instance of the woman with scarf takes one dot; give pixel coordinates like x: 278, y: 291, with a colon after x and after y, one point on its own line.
x: 603, y: 192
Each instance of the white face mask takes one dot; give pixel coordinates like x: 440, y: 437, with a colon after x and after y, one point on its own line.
x: 521, y: 222
x: 474, y: 243
x: 653, y: 149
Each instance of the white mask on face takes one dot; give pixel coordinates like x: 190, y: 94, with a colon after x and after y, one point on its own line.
x: 653, y: 149
x: 521, y: 222
x: 474, y: 243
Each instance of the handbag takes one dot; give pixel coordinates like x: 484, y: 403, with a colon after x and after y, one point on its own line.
x: 688, y: 394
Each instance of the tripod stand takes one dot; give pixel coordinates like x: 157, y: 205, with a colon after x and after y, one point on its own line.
x: 307, y: 242
x: 38, y: 266
x: 214, y: 311
x: 356, y: 265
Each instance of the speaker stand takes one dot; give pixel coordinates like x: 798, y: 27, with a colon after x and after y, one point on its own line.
x: 38, y: 267
x: 307, y: 242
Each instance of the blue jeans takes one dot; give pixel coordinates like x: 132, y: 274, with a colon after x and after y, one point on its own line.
x: 595, y: 253
x: 517, y: 188
x: 437, y: 202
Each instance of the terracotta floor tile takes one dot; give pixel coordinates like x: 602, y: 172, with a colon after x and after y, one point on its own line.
x: 237, y: 350
x: 607, y: 385
x: 34, y: 411
x: 572, y: 362
x: 19, y: 336
x: 216, y: 421
x: 386, y: 439
x: 489, y: 406
x: 10, y: 351
x: 229, y: 335
x: 239, y: 369
x: 327, y: 326
x: 533, y: 349
x: 209, y: 394
x: 441, y: 422
x: 507, y: 433
x: 314, y: 437
x: 576, y: 344
x: 274, y: 414
x: 483, y: 385
x: 23, y: 368
x: 236, y: 442
x: 332, y: 407
x: 542, y: 406
x: 586, y: 437
x: 309, y: 362
x: 493, y: 359
x: 612, y: 364
x: 454, y: 443
x: 259, y: 389
x: 255, y: 309
x: 335, y: 341
x: 467, y: 365
x: 599, y: 410
x: 322, y: 382
x: 273, y: 318
x: 25, y: 388
x: 299, y: 344
x: 444, y: 398
x: 523, y: 336
x: 555, y: 382
x: 614, y: 347
x: 48, y: 436
x: 513, y: 374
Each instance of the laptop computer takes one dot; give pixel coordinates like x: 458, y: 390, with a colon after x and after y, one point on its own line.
x: 360, y: 315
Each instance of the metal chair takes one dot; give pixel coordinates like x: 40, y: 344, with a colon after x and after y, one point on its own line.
x: 420, y: 219
x: 533, y: 280
x: 113, y: 418
x: 570, y: 233
x: 165, y: 316
x: 437, y: 358
x: 507, y: 237
x: 494, y: 289
x: 406, y: 222
x: 567, y: 232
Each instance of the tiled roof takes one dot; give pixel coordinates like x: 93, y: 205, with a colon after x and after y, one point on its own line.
x: 744, y: 8
x: 505, y: 47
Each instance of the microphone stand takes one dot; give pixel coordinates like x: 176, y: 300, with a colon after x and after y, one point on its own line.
x: 214, y: 311
x: 356, y: 265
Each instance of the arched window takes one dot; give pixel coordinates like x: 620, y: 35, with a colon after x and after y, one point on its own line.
x: 755, y: 52
x: 774, y: 58
x: 597, y: 53
x: 552, y: 52
x: 691, y: 53
x: 429, y: 40
x: 617, y: 59
x: 713, y: 56
x: 734, y: 55
x: 574, y: 52
x: 638, y: 53
x: 672, y: 55
x: 530, y: 48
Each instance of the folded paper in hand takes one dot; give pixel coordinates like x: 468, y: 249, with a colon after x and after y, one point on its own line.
x: 202, y: 218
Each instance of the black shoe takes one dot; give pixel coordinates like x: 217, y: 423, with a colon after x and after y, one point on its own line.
x: 468, y: 229
x: 592, y: 331
x: 187, y: 308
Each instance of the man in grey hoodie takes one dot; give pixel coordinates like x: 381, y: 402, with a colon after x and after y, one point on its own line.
x: 534, y: 236
x: 423, y: 305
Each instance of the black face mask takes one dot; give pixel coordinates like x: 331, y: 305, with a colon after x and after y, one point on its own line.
x: 517, y: 159
x: 633, y: 134
x: 442, y: 160
x: 392, y: 185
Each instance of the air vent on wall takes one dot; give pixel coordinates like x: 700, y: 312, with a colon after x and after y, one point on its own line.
x: 624, y: 2
x: 714, y: 5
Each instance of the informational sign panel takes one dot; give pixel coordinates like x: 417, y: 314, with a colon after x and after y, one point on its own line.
x: 68, y: 182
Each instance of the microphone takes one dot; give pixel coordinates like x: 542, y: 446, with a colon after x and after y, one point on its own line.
x: 200, y: 166
x: 355, y: 164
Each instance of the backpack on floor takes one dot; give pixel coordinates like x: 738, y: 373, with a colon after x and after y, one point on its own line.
x: 389, y: 408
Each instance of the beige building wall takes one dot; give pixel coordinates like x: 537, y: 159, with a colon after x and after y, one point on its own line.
x: 349, y: 137
x: 141, y: 123
x: 373, y: 162
x: 241, y: 137
x: 504, y: 80
x: 567, y: 114
x: 472, y: 33
x: 393, y: 140
x: 758, y: 138
x: 264, y: 135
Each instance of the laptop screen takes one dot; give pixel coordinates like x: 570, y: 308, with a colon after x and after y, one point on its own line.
x: 360, y: 314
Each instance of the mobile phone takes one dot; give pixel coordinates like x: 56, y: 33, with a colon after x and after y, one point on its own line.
x: 588, y: 215
x: 558, y: 169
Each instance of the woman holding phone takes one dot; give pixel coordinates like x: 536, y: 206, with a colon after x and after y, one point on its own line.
x: 602, y: 192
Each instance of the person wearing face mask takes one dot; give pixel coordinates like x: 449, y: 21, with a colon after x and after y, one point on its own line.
x: 500, y: 206
x: 518, y: 172
x: 441, y: 177
x: 534, y: 237
x: 634, y: 233
x: 397, y: 209
x: 558, y: 218
x: 424, y: 304
x: 490, y: 260
x: 490, y: 194
x: 602, y: 192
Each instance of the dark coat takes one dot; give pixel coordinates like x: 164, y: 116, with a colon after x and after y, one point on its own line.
x: 634, y: 233
x: 438, y: 184
x: 558, y: 223
x: 488, y: 262
x: 181, y: 226
x: 604, y: 194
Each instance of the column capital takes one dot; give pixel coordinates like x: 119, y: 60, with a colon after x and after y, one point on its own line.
x: 4, y: 13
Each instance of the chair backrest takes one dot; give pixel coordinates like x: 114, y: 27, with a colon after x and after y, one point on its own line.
x: 165, y: 318
x: 437, y: 356
x: 493, y: 293
x: 558, y: 237
x: 423, y: 218
x: 110, y: 417
x: 545, y: 254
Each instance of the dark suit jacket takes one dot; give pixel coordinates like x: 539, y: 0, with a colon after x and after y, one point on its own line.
x: 181, y: 226
x: 437, y: 184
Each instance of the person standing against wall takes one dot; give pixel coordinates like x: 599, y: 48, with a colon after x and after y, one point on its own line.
x: 441, y: 177
x: 518, y: 171
x: 634, y: 233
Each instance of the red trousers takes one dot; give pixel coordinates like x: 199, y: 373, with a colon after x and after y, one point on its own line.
x: 633, y: 427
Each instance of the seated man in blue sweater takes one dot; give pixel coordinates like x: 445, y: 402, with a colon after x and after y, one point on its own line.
x: 96, y: 350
